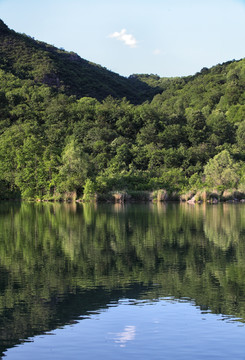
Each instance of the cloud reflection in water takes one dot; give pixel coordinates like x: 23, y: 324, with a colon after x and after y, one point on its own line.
x: 127, y: 335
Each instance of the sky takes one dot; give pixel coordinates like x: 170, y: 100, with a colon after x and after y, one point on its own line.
x: 164, y: 37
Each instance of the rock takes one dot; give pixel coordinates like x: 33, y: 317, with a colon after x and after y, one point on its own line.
x: 192, y: 200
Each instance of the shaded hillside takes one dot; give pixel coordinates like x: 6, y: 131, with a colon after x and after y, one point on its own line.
x: 27, y: 58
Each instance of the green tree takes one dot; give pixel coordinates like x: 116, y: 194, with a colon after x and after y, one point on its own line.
x: 30, y: 175
x: 221, y: 171
x: 240, y: 136
x: 196, y: 126
x: 221, y: 129
x: 74, y: 168
x: 89, y: 190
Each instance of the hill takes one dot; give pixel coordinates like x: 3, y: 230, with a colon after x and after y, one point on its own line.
x: 67, y: 72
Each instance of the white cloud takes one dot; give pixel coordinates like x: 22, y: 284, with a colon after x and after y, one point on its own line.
x: 157, y: 52
x: 127, y: 39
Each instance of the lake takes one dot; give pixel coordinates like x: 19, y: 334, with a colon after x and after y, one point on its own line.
x: 142, y: 281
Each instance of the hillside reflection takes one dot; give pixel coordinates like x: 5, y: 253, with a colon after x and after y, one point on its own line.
x: 59, y: 262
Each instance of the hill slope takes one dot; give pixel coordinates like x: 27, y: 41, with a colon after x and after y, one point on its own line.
x: 27, y: 58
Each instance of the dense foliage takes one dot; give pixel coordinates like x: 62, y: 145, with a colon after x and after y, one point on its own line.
x: 66, y: 123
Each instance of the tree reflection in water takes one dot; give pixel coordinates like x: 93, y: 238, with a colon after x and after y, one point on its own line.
x: 59, y: 262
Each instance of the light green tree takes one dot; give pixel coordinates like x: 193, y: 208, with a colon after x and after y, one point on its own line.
x: 89, y: 190
x: 221, y: 171
x: 30, y: 174
x: 74, y: 168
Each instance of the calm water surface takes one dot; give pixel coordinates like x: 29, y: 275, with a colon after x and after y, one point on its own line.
x: 151, y: 281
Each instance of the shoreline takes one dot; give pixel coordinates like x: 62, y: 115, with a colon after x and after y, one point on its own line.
x: 162, y: 195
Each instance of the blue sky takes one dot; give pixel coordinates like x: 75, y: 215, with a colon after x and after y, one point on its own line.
x: 164, y: 37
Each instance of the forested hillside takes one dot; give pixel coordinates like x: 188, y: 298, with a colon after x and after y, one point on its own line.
x: 66, y: 124
x: 64, y: 71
